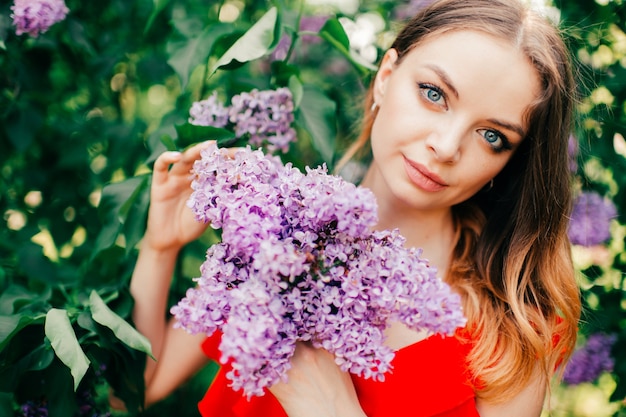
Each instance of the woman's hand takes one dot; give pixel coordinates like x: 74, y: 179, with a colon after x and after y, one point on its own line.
x: 171, y: 224
x: 316, y: 386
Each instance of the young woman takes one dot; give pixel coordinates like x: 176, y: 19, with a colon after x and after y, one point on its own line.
x: 468, y: 119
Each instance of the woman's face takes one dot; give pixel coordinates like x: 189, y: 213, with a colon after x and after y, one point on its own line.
x: 450, y: 116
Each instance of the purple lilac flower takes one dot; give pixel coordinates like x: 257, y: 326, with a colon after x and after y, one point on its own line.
x: 36, y: 16
x: 33, y: 409
x: 591, y: 218
x: 407, y: 11
x: 298, y: 261
x: 590, y: 361
x: 266, y: 116
x: 209, y: 112
x: 307, y: 24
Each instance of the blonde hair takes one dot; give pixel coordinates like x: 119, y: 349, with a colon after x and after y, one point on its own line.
x: 512, y: 261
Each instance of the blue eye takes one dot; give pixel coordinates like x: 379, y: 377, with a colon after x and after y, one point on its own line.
x: 433, y: 94
x: 495, y: 139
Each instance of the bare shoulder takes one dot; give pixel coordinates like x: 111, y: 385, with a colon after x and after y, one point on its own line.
x: 528, y: 403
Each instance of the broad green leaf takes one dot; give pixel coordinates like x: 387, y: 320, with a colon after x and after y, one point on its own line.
x: 317, y: 116
x: 12, y: 294
x: 134, y: 213
x: 189, y: 134
x: 186, y: 56
x: 159, y: 5
x: 60, y: 332
x: 255, y: 43
x: 16, y: 297
x: 103, y: 315
x: 11, y: 325
x: 115, y: 199
x: 333, y: 33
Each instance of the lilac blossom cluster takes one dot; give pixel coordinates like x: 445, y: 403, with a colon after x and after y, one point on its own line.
x: 33, y: 409
x: 36, y: 16
x: 590, y: 361
x: 410, y: 9
x: 299, y: 261
x: 308, y: 24
x: 264, y: 117
x: 591, y: 219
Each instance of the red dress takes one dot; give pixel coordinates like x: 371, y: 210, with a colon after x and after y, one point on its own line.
x: 429, y: 378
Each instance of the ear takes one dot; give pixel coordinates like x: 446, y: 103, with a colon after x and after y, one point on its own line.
x: 385, y: 69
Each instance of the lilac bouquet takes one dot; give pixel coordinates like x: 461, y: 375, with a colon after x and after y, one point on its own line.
x: 299, y: 261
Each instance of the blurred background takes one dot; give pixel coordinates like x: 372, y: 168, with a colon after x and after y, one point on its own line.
x: 91, y: 95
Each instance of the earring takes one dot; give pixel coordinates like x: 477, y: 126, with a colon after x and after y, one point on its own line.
x: 374, y: 106
x: 490, y: 185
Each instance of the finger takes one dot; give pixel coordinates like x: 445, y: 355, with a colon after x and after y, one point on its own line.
x: 162, y: 164
x: 190, y: 156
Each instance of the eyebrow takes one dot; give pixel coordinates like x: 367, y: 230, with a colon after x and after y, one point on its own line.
x: 448, y: 82
x: 444, y: 78
x: 509, y: 126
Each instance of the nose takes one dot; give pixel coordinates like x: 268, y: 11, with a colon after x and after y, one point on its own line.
x: 445, y: 142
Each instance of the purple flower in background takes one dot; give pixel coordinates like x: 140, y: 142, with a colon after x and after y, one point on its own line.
x: 307, y: 24
x: 265, y: 116
x: 407, y: 11
x: 282, y: 47
x: 32, y: 409
x: 590, y: 361
x: 209, y: 112
x: 36, y: 16
x: 591, y: 217
x: 312, y: 24
x: 298, y: 261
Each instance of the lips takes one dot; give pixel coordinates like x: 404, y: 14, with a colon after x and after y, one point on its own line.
x: 423, y: 178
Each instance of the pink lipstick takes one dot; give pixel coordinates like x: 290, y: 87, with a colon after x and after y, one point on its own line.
x: 422, y: 177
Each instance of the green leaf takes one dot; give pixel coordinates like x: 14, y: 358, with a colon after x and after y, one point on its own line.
x: 186, y: 56
x: 159, y: 5
x: 11, y: 325
x: 134, y: 213
x: 103, y: 315
x: 117, y: 199
x: 297, y: 90
x: 317, y: 116
x: 255, y: 43
x: 59, y: 330
x: 333, y: 33
x: 12, y: 294
x: 16, y: 296
x: 189, y: 134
